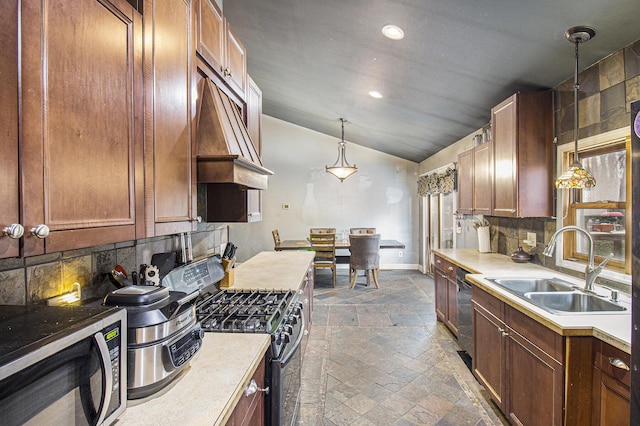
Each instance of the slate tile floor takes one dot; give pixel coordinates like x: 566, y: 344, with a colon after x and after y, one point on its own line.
x: 378, y: 357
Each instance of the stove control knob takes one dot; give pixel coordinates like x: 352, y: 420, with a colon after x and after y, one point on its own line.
x: 284, y: 336
x: 198, y: 333
x: 288, y: 329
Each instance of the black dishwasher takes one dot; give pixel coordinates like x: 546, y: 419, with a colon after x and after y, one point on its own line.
x: 465, y: 311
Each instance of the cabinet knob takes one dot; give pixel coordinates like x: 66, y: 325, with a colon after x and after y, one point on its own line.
x: 618, y: 363
x: 40, y: 231
x: 252, y: 388
x: 196, y: 219
x: 14, y: 231
x: 451, y: 268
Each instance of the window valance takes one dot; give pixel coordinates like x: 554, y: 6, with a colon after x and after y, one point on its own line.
x: 438, y: 183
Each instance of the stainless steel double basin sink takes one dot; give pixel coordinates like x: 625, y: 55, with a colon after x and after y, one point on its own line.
x: 557, y: 296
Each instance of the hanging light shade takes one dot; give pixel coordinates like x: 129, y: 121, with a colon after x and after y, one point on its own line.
x: 576, y: 176
x: 341, y: 168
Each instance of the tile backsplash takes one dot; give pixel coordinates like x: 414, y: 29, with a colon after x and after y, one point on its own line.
x: 33, y: 279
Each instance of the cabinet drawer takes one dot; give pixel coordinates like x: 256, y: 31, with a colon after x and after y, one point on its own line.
x: 447, y: 268
x: 606, y: 356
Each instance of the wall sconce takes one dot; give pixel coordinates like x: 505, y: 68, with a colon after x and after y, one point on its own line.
x: 67, y: 298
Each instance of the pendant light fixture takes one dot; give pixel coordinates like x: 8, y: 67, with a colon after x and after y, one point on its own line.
x: 341, y: 168
x: 576, y: 176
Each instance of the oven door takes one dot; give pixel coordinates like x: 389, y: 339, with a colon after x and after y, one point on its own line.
x: 285, y: 379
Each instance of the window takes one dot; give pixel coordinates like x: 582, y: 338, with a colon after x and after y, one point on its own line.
x: 602, y: 210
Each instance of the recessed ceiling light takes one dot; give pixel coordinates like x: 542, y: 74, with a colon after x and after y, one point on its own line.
x: 393, y: 32
x: 375, y: 94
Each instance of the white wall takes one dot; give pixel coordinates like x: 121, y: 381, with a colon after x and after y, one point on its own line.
x: 382, y: 194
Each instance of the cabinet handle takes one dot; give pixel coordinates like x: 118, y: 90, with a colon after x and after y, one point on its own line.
x: 14, y: 231
x: 252, y: 388
x: 503, y: 332
x: 618, y: 363
x: 196, y: 219
x: 40, y: 231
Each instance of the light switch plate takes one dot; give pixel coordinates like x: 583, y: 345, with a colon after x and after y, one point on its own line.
x: 286, y: 206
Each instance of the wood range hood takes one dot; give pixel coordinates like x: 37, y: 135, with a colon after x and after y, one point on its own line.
x: 225, y: 152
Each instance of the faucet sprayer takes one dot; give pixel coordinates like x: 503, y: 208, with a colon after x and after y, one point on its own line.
x: 591, y: 271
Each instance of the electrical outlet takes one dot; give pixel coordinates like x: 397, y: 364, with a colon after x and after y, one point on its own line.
x: 400, y: 253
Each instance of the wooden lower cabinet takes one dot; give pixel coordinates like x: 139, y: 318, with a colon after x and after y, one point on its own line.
x: 519, y: 361
x: 250, y: 410
x: 611, y: 386
x: 446, y: 293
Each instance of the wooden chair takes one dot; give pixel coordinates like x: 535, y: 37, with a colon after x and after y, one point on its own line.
x: 324, y: 244
x: 362, y: 230
x: 322, y: 231
x: 365, y: 255
x: 276, y: 240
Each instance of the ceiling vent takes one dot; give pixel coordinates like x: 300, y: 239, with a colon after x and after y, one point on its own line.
x: 225, y: 152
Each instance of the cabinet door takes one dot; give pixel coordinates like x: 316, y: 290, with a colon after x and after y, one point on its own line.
x: 210, y: 37
x: 250, y: 409
x: 236, y: 71
x: 465, y: 182
x: 170, y: 172
x: 611, y: 404
x: 504, y: 127
x: 482, y: 178
x: 9, y: 190
x: 81, y: 122
x: 489, y: 362
x: 254, y: 114
x: 535, y: 384
x: 441, y: 295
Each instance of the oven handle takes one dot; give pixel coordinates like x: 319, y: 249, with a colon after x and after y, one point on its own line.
x: 285, y: 360
x: 108, y: 376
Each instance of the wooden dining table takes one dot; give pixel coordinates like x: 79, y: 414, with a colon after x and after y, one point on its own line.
x: 340, y: 245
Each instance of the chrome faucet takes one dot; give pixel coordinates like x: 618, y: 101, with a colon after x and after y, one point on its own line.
x: 591, y: 271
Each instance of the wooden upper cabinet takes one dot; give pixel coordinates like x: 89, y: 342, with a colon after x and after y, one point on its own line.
x: 170, y: 171
x: 220, y: 48
x: 482, y: 178
x: 210, y: 34
x: 475, y: 170
x: 81, y: 121
x: 9, y: 190
x: 254, y: 113
x: 236, y: 70
x: 523, y: 155
x: 465, y: 182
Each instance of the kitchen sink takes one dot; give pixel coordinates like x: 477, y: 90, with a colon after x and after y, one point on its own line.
x: 573, y: 302
x: 520, y: 286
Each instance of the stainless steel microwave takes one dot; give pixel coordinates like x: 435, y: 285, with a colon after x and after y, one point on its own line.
x: 62, y: 365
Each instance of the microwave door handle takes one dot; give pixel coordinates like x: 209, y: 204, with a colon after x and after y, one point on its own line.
x: 108, y: 376
x: 297, y: 343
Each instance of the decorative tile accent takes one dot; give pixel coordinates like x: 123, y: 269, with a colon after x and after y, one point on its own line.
x: 12, y: 287
x: 611, y: 70
x: 632, y: 60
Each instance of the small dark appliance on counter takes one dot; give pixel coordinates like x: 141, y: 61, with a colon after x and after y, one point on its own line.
x: 62, y: 365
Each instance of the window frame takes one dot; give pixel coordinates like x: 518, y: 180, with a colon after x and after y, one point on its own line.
x: 566, y: 256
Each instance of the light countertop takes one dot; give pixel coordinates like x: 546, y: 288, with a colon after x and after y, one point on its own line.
x: 208, y: 390
x: 283, y: 270
x: 614, y: 329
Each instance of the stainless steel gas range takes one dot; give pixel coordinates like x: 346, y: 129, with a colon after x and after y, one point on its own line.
x: 275, y: 312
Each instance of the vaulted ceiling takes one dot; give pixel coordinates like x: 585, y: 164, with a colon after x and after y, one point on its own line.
x: 316, y: 60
